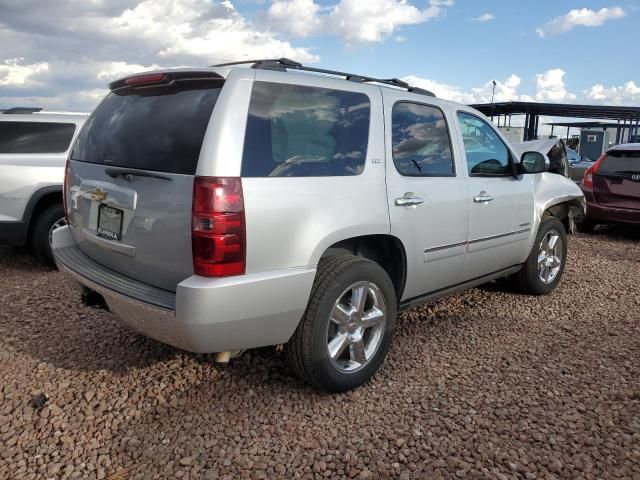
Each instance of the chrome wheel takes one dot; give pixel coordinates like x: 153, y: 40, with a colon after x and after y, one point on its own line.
x: 356, y: 326
x: 60, y: 223
x: 550, y: 256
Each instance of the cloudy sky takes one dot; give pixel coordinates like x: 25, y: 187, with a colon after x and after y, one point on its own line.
x: 61, y: 54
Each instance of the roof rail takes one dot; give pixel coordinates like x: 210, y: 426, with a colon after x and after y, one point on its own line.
x: 284, y: 64
x: 16, y: 110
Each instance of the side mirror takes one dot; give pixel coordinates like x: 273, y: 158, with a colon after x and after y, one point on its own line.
x: 534, y: 162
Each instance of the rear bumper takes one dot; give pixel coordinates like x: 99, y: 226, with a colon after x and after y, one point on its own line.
x: 13, y: 233
x: 603, y: 214
x: 204, y: 315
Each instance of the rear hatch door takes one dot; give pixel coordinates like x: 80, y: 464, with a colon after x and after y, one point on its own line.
x: 130, y: 179
x: 617, y: 181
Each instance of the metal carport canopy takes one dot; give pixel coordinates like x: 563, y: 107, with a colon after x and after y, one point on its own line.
x: 613, y: 112
x: 628, y: 116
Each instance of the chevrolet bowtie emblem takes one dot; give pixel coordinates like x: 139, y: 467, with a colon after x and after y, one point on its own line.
x: 98, y: 194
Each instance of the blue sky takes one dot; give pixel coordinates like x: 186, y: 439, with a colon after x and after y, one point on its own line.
x: 62, y: 54
x: 456, y: 50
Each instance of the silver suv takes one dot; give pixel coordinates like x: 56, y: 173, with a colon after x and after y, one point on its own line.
x: 33, y: 150
x: 225, y: 208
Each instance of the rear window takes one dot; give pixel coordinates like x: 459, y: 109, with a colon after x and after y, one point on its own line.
x: 621, y: 162
x: 150, y: 128
x: 35, y: 137
x: 299, y: 131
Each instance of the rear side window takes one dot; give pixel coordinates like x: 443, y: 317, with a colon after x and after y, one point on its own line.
x: 151, y: 128
x: 421, y: 144
x: 299, y: 131
x: 35, y: 137
x: 621, y: 162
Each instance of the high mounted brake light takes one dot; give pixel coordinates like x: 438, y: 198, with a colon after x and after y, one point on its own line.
x: 218, y: 234
x: 146, y: 79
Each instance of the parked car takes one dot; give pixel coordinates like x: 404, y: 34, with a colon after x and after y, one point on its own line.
x: 303, y: 210
x: 33, y: 151
x: 553, y: 148
x: 611, y: 187
x: 578, y: 164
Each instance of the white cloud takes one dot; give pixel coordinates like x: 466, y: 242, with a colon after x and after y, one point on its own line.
x: 485, y: 17
x: 70, y: 50
x: 627, y: 94
x: 296, y: 17
x: 357, y: 22
x: 15, y: 73
x: 211, y: 33
x: 580, y: 17
x: 505, y: 90
x: 550, y: 87
x: 365, y: 22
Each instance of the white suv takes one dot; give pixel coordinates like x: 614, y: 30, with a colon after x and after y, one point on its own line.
x: 226, y: 208
x: 33, y: 150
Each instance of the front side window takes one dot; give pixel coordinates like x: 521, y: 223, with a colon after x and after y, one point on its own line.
x: 487, y: 155
x: 300, y: 131
x: 35, y: 137
x: 421, y: 145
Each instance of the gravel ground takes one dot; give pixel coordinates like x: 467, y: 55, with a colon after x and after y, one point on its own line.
x: 485, y: 384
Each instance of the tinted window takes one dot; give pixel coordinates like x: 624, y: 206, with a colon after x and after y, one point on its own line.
x: 151, y: 128
x: 486, y: 153
x: 35, y: 137
x: 621, y: 162
x: 296, y: 131
x: 421, y: 145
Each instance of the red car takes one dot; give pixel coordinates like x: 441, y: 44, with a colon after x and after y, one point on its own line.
x: 611, y: 187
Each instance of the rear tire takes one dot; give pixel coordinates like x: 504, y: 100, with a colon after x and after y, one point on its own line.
x: 47, y: 221
x: 542, y: 271
x: 348, y: 326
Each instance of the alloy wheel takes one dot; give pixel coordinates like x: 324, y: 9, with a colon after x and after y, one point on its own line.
x: 356, y: 326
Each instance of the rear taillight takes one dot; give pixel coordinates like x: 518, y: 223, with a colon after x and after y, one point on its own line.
x: 587, y: 180
x: 218, y: 233
x: 66, y: 190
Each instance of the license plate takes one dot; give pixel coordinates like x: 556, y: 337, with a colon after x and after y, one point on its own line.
x: 110, y: 222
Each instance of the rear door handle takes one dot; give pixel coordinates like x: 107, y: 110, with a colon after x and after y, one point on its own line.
x: 409, y: 199
x: 483, y: 197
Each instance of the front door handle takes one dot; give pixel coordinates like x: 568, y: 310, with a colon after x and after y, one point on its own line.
x: 409, y: 199
x: 483, y: 197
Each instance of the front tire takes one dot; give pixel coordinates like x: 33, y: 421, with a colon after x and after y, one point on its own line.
x: 544, y: 267
x: 48, y: 220
x: 348, y: 326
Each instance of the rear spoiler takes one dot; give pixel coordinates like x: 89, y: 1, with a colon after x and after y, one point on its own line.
x: 162, y: 78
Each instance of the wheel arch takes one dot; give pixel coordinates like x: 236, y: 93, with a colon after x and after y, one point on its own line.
x: 567, y: 211
x: 41, y: 200
x: 386, y: 250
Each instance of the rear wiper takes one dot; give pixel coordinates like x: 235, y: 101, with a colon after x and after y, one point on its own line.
x: 115, y: 172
